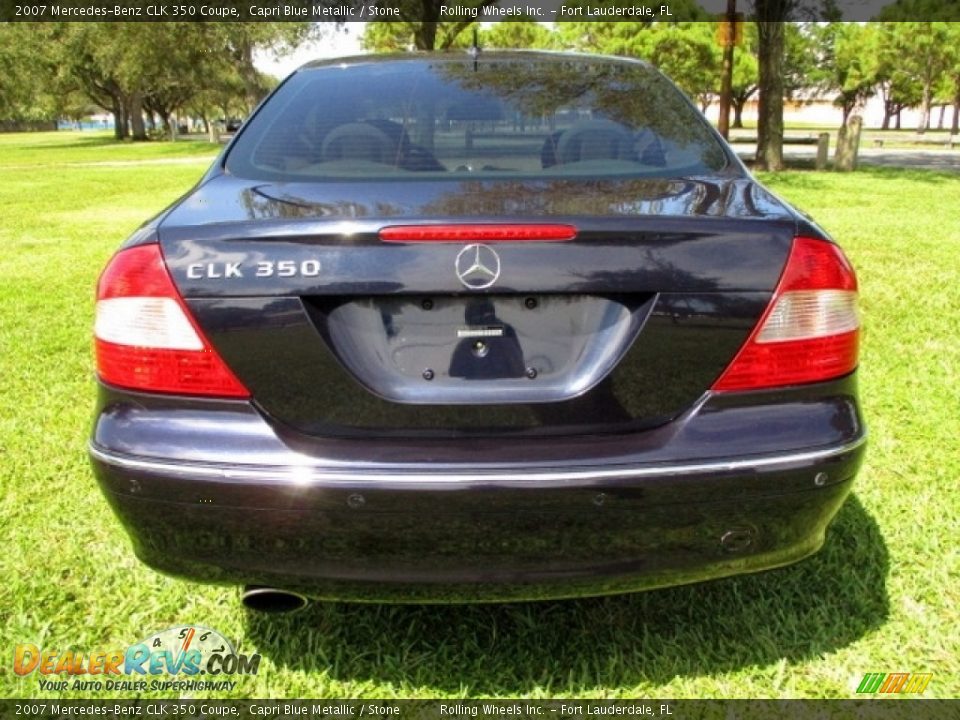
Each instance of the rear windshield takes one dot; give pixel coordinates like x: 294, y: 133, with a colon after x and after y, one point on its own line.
x: 422, y: 119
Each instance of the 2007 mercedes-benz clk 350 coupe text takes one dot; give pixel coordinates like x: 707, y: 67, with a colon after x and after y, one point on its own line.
x: 448, y: 328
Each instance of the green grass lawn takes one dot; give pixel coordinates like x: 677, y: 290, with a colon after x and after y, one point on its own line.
x: 50, y: 149
x: 883, y: 595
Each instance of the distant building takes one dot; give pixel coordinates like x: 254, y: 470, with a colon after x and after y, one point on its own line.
x: 822, y: 111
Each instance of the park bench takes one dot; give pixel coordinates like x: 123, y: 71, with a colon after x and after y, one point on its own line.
x: 787, y: 140
x: 949, y: 142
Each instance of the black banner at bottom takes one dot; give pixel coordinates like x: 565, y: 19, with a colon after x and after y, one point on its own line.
x: 866, y: 709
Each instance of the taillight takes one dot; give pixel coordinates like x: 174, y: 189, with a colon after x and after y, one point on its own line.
x: 476, y: 232
x: 810, y: 330
x: 145, y: 337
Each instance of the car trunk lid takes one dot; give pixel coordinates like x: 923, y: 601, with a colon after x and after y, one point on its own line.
x: 337, y: 332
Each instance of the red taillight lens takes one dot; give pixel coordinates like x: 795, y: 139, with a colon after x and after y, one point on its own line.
x: 145, y: 338
x: 478, y: 233
x: 810, y: 332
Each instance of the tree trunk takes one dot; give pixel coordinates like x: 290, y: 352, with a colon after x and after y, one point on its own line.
x: 770, y: 107
x: 738, y: 113
x: 167, y: 124
x: 848, y: 144
x: 243, y: 56
x: 121, y: 128
x: 117, y: 121
x: 425, y: 37
x: 887, y: 115
x: 955, y: 125
x: 943, y: 112
x: 925, y: 101
x: 136, y: 117
x: 726, y: 72
x: 899, y: 110
x: 212, y: 129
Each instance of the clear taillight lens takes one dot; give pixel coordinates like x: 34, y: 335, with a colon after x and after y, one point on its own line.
x: 806, y: 314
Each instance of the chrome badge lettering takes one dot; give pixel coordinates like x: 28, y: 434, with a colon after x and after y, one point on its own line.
x: 213, y: 271
x: 261, y: 269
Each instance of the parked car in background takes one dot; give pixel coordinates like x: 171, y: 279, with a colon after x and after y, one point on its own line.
x: 436, y: 328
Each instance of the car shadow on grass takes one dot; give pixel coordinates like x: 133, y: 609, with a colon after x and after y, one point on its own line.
x: 796, y: 613
x: 79, y: 140
x: 97, y: 141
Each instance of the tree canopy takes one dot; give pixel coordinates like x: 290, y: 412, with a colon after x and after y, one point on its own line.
x: 141, y: 71
x: 130, y: 69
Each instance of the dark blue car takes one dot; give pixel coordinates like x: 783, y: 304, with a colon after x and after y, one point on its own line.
x: 440, y: 328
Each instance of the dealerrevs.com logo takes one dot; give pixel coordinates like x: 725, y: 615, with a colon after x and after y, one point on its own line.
x: 185, y: 653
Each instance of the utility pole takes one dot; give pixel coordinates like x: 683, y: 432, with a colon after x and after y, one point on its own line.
x: 726, y: 74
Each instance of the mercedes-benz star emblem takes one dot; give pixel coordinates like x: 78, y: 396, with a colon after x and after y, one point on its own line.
x: 478, y: 266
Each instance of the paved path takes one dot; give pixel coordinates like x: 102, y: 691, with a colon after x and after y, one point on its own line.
x: 920, y: 158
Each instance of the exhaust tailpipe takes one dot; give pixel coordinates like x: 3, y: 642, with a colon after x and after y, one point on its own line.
x: 272, y: 600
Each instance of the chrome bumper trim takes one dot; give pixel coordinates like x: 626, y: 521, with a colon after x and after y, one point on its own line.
x: 308, y: 474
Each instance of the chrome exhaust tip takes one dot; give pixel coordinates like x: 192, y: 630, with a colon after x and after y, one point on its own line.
x: 272, y: 600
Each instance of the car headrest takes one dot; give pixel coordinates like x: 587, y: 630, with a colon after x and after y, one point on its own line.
x: 393, y: 130
x: 548, y: 153
x: 595, y: 140
x: 359, y: 141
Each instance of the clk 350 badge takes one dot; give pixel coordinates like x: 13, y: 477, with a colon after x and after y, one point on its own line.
x: 262, y: 269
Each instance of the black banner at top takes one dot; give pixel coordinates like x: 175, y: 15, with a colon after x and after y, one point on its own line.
x: 344, y: 11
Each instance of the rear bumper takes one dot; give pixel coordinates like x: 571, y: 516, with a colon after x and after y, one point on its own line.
x: 443, y: 533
